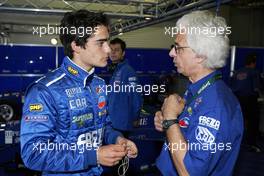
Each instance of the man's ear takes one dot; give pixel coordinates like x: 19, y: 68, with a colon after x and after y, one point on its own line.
x: 76, y: 49
x: 200, y: 58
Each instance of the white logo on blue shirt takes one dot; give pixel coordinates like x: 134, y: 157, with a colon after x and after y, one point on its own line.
x: 209, y: 122
x: 204, y: 136
x: 78, y: 103
x: 73, y: 91
x: 91, y: 138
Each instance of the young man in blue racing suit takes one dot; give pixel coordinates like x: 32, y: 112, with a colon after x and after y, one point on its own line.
x: 65, y: 128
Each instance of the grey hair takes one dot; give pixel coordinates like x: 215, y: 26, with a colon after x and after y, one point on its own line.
x: 206, y: 34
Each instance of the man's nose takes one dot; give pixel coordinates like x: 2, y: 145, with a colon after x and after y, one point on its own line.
x: 108, y: 49
x: 172, y: 53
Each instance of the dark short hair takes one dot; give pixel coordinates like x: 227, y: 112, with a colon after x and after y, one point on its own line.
x: 251, y: 58
x: 76, y: 19
x: 119, y: 41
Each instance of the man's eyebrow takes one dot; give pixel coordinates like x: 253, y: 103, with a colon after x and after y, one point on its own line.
x: 102, y: 40
x: 175, y: 43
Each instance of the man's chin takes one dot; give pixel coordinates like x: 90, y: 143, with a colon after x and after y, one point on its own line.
x: 180, y: 71
x: 113, y: 60
x: 104, y: 64
x: 116, y: 60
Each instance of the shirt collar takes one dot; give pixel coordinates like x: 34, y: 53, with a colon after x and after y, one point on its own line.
x: 123, y: 62
x: 193, y: 88
x: 76, y: 72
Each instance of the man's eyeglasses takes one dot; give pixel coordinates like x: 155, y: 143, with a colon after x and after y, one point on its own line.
x: 178, y: 48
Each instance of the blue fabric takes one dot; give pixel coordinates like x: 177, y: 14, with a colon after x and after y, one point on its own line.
x: 65, y: 107
x: 124, y: 106
x: 246, y: 82
x: 215, y: 125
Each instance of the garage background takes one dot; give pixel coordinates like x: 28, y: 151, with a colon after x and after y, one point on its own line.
x: 25, y: 57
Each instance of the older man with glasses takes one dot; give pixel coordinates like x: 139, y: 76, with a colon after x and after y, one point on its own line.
x: 204, y: 128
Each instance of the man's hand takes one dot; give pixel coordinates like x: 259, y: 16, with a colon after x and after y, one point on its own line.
x: 110, y: 155
x: 172, y: 107
x: 158, y: 121
x: 131, y: 147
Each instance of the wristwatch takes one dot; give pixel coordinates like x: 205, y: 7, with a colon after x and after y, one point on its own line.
x: 167, y: 123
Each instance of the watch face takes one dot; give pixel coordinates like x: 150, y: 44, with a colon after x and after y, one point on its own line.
x: 165, y: 124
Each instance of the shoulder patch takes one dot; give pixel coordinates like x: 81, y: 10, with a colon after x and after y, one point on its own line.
x: 72, y: 71
x: 36, y: 118
x: 36, y: 107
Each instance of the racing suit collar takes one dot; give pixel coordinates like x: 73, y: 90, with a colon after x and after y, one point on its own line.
x: 76, y: 72
x: 193, y: 88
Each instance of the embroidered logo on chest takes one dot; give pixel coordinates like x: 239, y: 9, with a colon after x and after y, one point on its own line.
x: 184, y: 122
x: 101, y: 102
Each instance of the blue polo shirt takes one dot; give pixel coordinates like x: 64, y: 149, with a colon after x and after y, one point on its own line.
x: 124, y: 103
x: 212, y: 125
